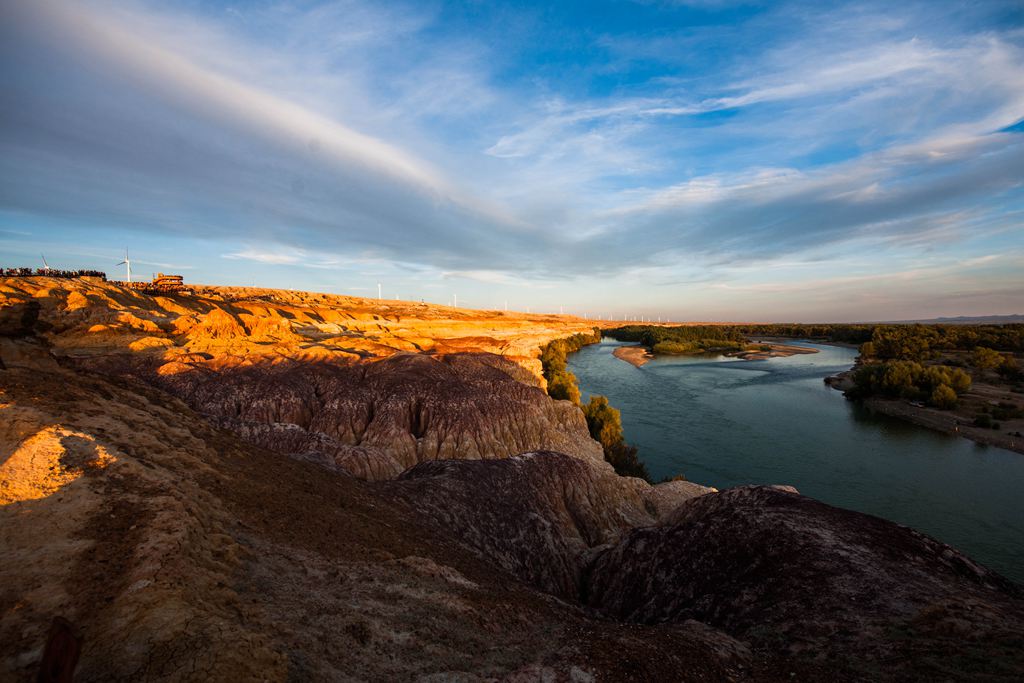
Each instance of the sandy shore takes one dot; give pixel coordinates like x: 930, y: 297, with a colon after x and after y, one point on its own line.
x: 777, y: 351
x: 634, y: 355
x: 823, y: 342
x: 639, y: 355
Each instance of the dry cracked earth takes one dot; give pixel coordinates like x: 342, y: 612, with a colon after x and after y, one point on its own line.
x: 262, y: 485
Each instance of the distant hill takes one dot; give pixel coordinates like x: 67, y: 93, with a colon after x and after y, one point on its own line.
x: 967, y: 320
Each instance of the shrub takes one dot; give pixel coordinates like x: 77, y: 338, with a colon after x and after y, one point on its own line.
x: 943, y: 397
x: 1009, y: 369
x: 563, y: 387
x: 986, y: 359
x: 605, y: 425
x: 603, y: 421
x: 671, y: 347
x: 908, y: 379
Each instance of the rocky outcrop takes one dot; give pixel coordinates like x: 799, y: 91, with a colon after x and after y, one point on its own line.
x: 352, y: 384
x: 664, y: 498
x: 559, y: 508
x: 178, y: 552
x: 217, y: 327
x: 376, y: 419
x: 845, y: 589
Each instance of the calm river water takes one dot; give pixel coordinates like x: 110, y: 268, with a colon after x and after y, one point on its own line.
x: 724, y: 422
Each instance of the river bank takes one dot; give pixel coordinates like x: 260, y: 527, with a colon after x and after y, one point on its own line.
x: 955, y: 422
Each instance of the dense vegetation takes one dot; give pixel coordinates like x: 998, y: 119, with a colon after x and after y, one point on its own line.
x: 603, y: 421
x: 605, y: 425
x: 887, y: 342
x: 562, y: 383
x: 700, y: 338
x: 924, y: 342
x: 892, y: 362
x: 939, y: 385
x: 914, y: 362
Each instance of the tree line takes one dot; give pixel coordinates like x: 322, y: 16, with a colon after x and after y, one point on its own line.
x: 603, y: 421
x: 904, y: 342
x: 893, y: 358
x: 700, y: 338
x: 938, y: 385
x: 924, y: 342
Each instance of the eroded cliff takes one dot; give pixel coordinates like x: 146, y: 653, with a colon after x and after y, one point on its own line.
x: 146, y: 497
x: 351, y: 383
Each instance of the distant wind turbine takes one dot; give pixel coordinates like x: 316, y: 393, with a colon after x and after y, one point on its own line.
x: 46, y: 266
x: 378, y: 291
x: 127, y: 263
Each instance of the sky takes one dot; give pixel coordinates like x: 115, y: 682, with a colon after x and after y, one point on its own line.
x: 702, y: 160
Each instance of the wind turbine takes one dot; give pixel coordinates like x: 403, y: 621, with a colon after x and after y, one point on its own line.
x: 127, y: 263
x: 378, y: 291
x: 46, y: 266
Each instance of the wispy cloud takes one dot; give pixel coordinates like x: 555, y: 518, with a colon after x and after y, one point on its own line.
x: 326, y: 135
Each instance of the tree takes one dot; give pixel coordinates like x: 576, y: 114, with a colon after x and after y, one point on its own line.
x: 603, y: 421
x: 943, y: 397
x: 986, y: 359
x: 605, y: 425
x: 563, y: 387
x: 1009, y: 368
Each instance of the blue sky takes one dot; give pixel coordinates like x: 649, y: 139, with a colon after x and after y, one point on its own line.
x: 707, y: 160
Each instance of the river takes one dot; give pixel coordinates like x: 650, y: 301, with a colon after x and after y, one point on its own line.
x: 724, y: 422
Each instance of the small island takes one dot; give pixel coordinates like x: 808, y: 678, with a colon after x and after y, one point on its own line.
x: 764, y: 351
x: 634, y: 355
x: 693, y: 340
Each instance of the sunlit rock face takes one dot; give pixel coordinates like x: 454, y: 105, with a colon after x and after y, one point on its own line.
x: 180, y: 550
x: 360, y: 386
x: 218, y: 327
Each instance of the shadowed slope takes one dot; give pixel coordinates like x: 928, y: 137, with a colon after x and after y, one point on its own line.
x: 788, y: 572
x: 181, y: 553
